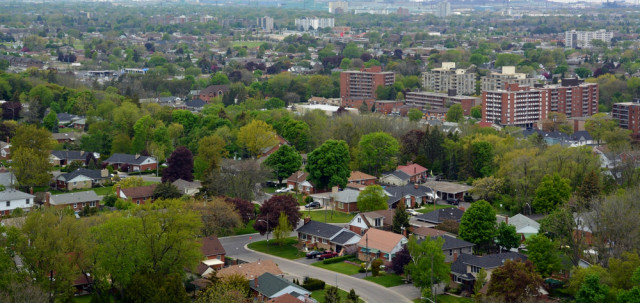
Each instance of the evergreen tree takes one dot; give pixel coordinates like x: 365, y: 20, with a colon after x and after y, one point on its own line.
x: 400, y: 219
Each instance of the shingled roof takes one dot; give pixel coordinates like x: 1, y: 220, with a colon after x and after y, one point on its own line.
x: 128, y: 159
x: 211, y: 246
x: 139, y: 192
x: 440, y: 215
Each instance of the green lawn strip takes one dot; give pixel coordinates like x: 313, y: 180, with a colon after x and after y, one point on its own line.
x: 319, y: 295
x: 249, y: 44
x: 429, y: 208
x: 287, y: 250
x: 336, y: 217
x: 341, y: 267
x: 247, y: 229
x: 386, y: 280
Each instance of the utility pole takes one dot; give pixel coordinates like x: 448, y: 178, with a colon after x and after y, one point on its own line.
x: 368, y: 253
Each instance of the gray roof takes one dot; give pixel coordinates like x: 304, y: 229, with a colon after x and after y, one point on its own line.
x: 183, y: 185
x: 70, y: 155
x: 77, y: 197
x: 270, y: 284
x: 343, y: 237
x: 440, y: 215
x: 319, y: 229
x: 7, y: 179
x: 13, y: 194
x: 488, y: 261
x: 126, y: 158
x: 452, y: 243
x: 520, y: 221
x: 347, y: 196
x: 409, y: 189
x: 196, y: 103
x: 400, y: 175
x: 89, y: 173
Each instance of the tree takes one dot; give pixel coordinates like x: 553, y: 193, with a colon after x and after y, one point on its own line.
x: 592, y: 291
x: 352, y: 297
x: 180, y: 166
x: 583, y: 72
x: 238, y: 179
x: 271, y: 209
x: 211, y: 149
x: 332, y: 295
x: 560, y: 226
x: 507, y: 237
x: 514, y: 281
x: 622, y: 270
x: 129, y: 182
x: 284, y: 162
x: 400, y: 260
x: 30, y: 155
x: 488, y: 188
x: 166, y: 190
x: 543, y: 254
x: 229, y: 289
x: 552, y: 192
x: 274, y: 103
x: 50, y: 121
x: 372, y: 198
x: 427, y: 266
x: 481, y: 280
x: 478, y: 223
x: 589, y: 189
x: 256, y: 136
x: 377, y: 152
x: 11, y: 110
x: 400, y: 219
x: 297, y: 133
x: 244, y: 208
x: 455, y: 113
x: 476, y: 112
x: 328, y: 165
x: 415, y: 114
x: 283, y: 229
x: 632, y: 295
x: 218, y: 216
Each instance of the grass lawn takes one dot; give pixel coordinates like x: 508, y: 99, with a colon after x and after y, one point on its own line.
x: 247, y: 229
x: 287, y: 250
x: 429, y: 208
x: 337, y: 217
x: 85, y: 299
x: 103, y: 191
x: 249, y: 44
x: 386, y: 280
x: 448, y: 299
x: 341, y: 267
x: 319, y: 295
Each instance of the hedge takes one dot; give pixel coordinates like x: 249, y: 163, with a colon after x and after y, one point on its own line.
x: 312, y: 284
x: 336, y: 259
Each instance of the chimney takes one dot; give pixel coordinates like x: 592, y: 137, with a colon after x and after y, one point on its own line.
x: 31, y: 190
x: 118, y: 191
x: 455, y: 256
x: 47, y: 199
x: 307, y: 220
x: 415, y: 185
x: 255, y: 282
x: 506, y: 219
x: 137, y: 156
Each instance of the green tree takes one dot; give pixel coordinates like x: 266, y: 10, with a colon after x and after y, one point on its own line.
x: 282, y: 231
x: 592, y: 291
x: 219, y: 79
x: 476, y: 112
x: 30, y: 155
x: 598, y: 124
x: 50, y: 121
x: 166, y: 190
x: 400, y: 219
x: 543, y: 254
x: 507, y: 237
x: 377, y: 152
x: 478, y: 223
x: 488, y: 188
x: 297, y: 133
x: 372, y: 198
x: 351, y: 50
x: 352, y: 297
x: 328, y: 165
x: 622, y: 270
x: 515, y: 281
x: 589, y: 189
x: 427, y: 266
x: 507, y: 60
x: 229, y: 289
x: 481, y: 280
x: 284, y: 162
x: 583, y: 72
x: 552, y: 192
x: 415, y: 114
x: 332, y: 295
x: 274, y: 103
x: 256, y: 136
x: 632, y: 295
x: 455, y: 113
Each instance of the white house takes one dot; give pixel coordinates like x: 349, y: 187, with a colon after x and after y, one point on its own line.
x: 11, y: 199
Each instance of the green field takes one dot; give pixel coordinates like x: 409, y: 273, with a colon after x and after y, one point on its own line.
x: 341, y: 267
x: 248, y: 44
x: 287, y: 250
x: 337, y: 217
x: 319, y: 295
x: 246, y: 229
x: 386, y: 280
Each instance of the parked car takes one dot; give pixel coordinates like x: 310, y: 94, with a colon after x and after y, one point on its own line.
x: 412, y: 212
x: 315, y: 253
x: 313, y: 204
x: 283, y: 190
x: 453, y: 201
x: 328, y: 255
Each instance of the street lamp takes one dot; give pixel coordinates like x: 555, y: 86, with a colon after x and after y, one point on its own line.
x: 266, y: 221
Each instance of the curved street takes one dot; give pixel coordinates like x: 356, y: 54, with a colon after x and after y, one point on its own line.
x: 236, y: 248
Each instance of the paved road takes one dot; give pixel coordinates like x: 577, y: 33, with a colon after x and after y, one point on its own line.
x: 370, y: 292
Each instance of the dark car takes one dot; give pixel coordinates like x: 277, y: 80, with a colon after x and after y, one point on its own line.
x: 328, y: 255
x: 313, y: 204
x: 453, y: 201
x: 315, y: 253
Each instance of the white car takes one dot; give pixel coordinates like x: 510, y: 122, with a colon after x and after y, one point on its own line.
x: 283, y: 190
x: 412, y: 212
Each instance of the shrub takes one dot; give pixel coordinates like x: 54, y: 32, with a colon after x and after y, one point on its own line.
x: 336, y: 259
x: 312, y: 284
x: 375, y: 267
x: 361, y: 270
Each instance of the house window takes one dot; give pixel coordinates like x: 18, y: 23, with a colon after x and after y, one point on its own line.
x: 218, y: 257
x: 450, y: 252
x: 378, y: 222
x: 324, y: 241
x: 75, y: 205
x: 74, y: 183
x: 92, y: 203
x: 303, y: 236
x: 138, y: 202
x: 28, y: 200
x: 359, y: 220
x: 341, y: 205
x: 8, y: 203
x: 475, y: 269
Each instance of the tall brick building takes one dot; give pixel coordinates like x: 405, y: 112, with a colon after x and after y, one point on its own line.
x: 360, y: 86
x: 627, y: 115
x: 573, y: 98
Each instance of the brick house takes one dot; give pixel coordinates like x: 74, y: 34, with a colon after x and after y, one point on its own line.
x: 411, y: 194
x: 358, y: 177
x: 380, y: 219
x: 81, y: 178
x: 347, y: 200
x: 381, y: 244
x: 64, y: 157
x: 214, y: 256
x: 298, y: 180
x: 213, y: 91
x: 12, y: 199
x: 138, y: 195
x: 415, y: 171
x: 134, y: 162
x: 314, y: 234
x: 466, y: 267
x: 452, y: 247
x: 76, y: 201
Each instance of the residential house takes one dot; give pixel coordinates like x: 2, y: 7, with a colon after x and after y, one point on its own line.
x: 438, y: 216
x: 188, y: 188
x: 66, y: 137
x: 267, y: 151
x: 76, y: 201
x: 380, y: 219
x: 416, y: 172
x: 412, y: 195
x: 314, y: 234
x: 466, y: 267
x: 448, y: 190
x: 138, y: 195
x: 298, y: 181
x: 65, y: 157
x: 453, y: 247
x: 195, y: 105
x: 288, y: 298
x: 421, y: 232
x: 213, y: 91
x: 269, y: 286
x: 360, y: 180
x: 65, y: 119
x: 133, y: 162
x: 5, y: 150
x: 251, y: 270
x: 12, y: 199
x: 395, y: 178
x: 524, y: 225
x: 214, y: 256
x: 377, y: 243
x: 81, y: 178
x: 347, y: 200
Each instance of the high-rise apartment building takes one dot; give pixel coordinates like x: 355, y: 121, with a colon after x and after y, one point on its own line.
x: 265, y: 23
x: 448, y: 77
x: 443, y: 9
x: 627, y: 114
x: 583, y: 39
x: 360, y: 86
x: 572, y: 97
x: 497, y: 81
x: 338, y: 7
x: 314, y: 23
